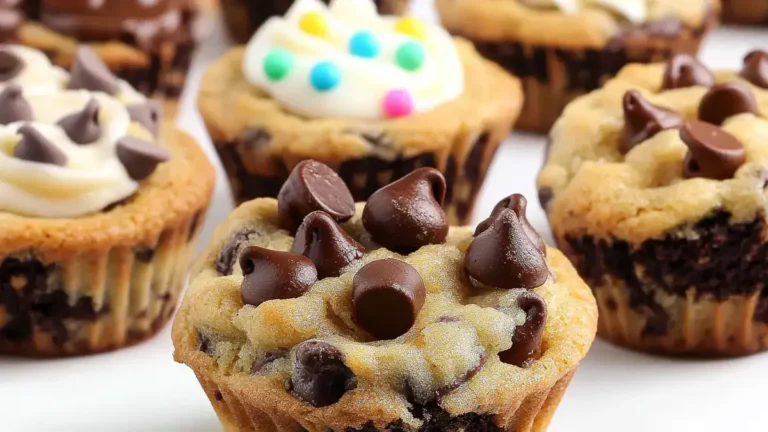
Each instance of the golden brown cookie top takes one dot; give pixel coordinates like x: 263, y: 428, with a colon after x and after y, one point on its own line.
x: 659, y: 147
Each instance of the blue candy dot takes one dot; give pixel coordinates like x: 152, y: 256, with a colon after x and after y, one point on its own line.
x: 364, y: 44
x: 325, y: 76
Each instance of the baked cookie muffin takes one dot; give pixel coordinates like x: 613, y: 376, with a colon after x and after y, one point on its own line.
x: 564, y: 48
x: 244, y: 17
x: 372, y: 97
x: 390, y: 321
x: 655, y: 188
x: 99, y: 208
x: 745, y: 11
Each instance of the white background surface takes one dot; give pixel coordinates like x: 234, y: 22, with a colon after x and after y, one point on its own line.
x: 141, y: 389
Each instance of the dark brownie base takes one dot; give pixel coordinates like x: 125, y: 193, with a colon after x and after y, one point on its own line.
x: 437, y: 419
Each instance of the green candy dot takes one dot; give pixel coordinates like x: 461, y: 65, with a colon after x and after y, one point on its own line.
x: 410, y: 56
x: 278, y: 64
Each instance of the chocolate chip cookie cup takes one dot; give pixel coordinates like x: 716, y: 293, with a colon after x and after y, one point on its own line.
x: 745, y: 11
x: 323, y: 326
x: 373, y: 104
x: 100, y: 206
x: 673, y: 244
x: 564, y: 49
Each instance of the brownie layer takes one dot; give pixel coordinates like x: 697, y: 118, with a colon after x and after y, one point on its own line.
x: 745, y: 11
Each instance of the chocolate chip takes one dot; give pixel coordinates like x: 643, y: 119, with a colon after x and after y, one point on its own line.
x: 255, y: 138
x: 90, y: 73
x: 504, y: 256
x: 268, y: 358
x: 10, y: 65
x: 140, y: 158
x: 322, y: 240
x: 320, y: 376
x: 755, y: 68
x: 527, y: 338
x: 274, y: 275
x: 643, y: 120
x: 13, y: 106
x: 83, y: 126
x: 726, y: 100
x: 313, y: 186
x: 518, y: 204
x: 35, y: 147
x: 683, y: 70
x: 225, y: 262
x: 408, y: 214
x: 712, y: 152
x: 545, y: 197
x: 147, y: 114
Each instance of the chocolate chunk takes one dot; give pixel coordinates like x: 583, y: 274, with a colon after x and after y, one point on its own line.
x: 726, y: 100
x: 274, y: 275
x: 755, y: 68
x: 323, y: 241
x: 387, y: 297
x: 313, y: 186
x: 147, y: 114
x: 140, y: 158
x: 712, y: 152
x: 35, y: 147
x: 320, y: 376
x: 527, y: 338
x: 683, y: 70
x: 643, y: 120
x: 503, y: 256
x: 408, y: 214
x: 518, y: 204
x: 90, y: 73
x: 83, y: 126
x: 13, y: 106
x: 10, y: 65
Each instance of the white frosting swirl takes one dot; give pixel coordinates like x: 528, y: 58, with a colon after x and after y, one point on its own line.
x: 371, y: 87
x: 635, y: 11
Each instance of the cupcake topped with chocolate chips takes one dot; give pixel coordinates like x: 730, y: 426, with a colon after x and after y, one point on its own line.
x: 312, y: 313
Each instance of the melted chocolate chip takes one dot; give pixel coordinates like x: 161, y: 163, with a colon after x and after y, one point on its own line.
x: 320, y: 376
x: 683, y: 70
x: 408, y: 214
x: 387, y: 297
x: 755, y: 68
x: 274, y: 275
x: 527, y: 338
x: 140, y: 158
x: 518, y: 204
x: 90, y: 73
x: 83, y: 126
x: 503, y: 256
x: 146, y: 114
x: 10, y: 65
x: 322, y: 240
x: 712, y: 152
x: 313, y: 186
x: 225, y: 262
x: 13, y: 106
x: 726, y: 100
x: 35, y: 147
x: 643, y: 120
x: 260, y: 363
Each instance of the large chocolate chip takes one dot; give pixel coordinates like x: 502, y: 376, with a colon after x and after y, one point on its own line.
x: 712, y: 152
x: 683, y: 70
x: 527, y: 338
x: 726, y: 100
x: 13, y: 106
x: 313, y: 186
x: 503, y: 256
x: 35, y: 147
x: 274, y: 275
x: 518, y: 204
x: 643, y: 120
x: 83, y: 126
x: 140, y: 158
x: 320, y: 376
x: 755, y: 68
x: 408, y: 214
x: 90, y: 73
x: 387, y: 297
x: 147, y: 114
x: 10, y: 65
x: 322, y: 240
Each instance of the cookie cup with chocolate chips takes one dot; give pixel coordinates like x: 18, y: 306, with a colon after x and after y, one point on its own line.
x: 655, y: 188
x: 320, y: 327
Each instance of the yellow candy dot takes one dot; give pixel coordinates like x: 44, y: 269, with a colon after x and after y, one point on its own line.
x: 314, y: 23
x: 412, y: 27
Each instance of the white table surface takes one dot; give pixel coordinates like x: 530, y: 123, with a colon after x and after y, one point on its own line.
x: 141, y: 389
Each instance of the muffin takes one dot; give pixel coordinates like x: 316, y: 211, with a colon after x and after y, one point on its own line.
x: 244, y: 17
x: 390, y: 321
x: 655, y: 187
x: 100, y: 206
x: 373, y: 104
x: 745, y: 11
x: 585, y: 42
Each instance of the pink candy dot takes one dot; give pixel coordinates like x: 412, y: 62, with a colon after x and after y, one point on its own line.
x: 398, y: 103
